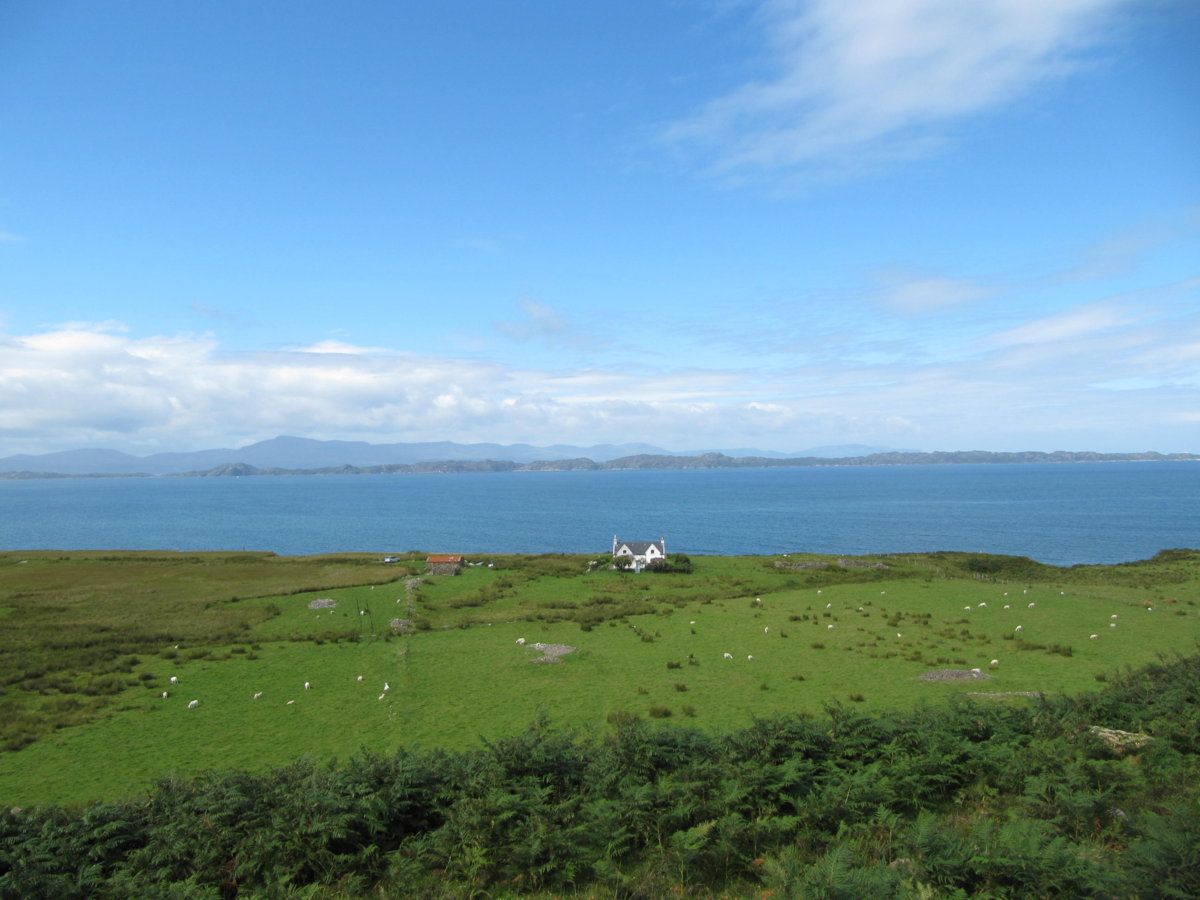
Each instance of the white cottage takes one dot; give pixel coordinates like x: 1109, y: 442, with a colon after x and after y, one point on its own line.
x: 641, y: 552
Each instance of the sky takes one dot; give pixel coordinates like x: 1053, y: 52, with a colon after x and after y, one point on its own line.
x: 917, y: 224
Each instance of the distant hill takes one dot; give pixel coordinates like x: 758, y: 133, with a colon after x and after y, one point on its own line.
x: 703, y: 461
x: 302, y: 456
x: 303, y: 453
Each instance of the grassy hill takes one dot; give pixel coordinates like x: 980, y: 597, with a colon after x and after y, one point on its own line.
x: 91, y: 641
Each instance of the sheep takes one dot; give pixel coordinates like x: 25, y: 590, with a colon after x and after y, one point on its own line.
x: 1019, y: 629
x: 359, y: 679
x: 693, y: 622
x: 983, y: 606
x: 289, y: 703
x: 830, y: 626
x: 1113, y: 616
x: 520, y: 642
x: 818, y: 591
x: 1149, y: 609
x: 386, y: 687
x: 862, y: 609
x: 381, y: 696
x: 729, y: 656
x: 1112, y: 624
x: 966, y: 609
x: 1006, y: 593
x: 174, y: 679
x: 829, y: 606
x: 766, y: 628
x: 899, y: 635
x: 1032, y: 604
x: 1008, y: 606
x: 976, y: 673
x: 164, y: 695
x: 257, y: 695
x: 193, y: 704
x: 1094, y: 637
x: 307, y: 686
x: 750, y: 658
x: 994, y: 664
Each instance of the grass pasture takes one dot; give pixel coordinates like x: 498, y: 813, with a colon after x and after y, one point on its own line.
x: 243, y: 625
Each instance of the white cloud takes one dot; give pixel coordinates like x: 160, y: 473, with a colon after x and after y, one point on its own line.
x: 854, y: 84
x: 1069, y: 325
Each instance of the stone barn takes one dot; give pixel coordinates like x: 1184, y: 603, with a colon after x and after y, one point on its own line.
x: 444, y: 564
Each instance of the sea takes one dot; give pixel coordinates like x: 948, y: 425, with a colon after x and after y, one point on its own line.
x: 1058, y: 513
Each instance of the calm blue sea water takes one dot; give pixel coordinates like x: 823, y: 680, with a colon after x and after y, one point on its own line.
x: 1062, y: 514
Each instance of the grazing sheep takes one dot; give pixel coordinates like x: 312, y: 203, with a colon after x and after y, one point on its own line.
x: 994, y: 664
x: 174, y: 680
x: 899, y: 635
x: 750, y: 658
x: 976, y: 673
x: 1006, y: 593
x: 1019, y: 629
x: 983, y: 606
x: 164, y: 696
x: 1112, y: 624
x: 818, y: 592
x: 381, y: 696
x: 359, y: 679
x: 193, y: 704
x: 758, y: 599
x: 966, y: 609
x: 386, y: 687
x: 693, y: 622
x: 1149, y: 609
x: 1007, y: 606
x: 766, y: 628
x: 830, y: 626
x: 862, y: 609
x: 829, y: 606
x: 1032, y: 604
x: 307, y: 686
x: 729, y: 656
x: 289, y: 703
x: 1113, y: 616
x: 520, y: 641
x: 257, y: 695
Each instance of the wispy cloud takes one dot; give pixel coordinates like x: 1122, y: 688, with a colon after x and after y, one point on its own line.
x: 9, y: 237
x: 910, y: 292
x: 543, y: 323
x: 859, y: 84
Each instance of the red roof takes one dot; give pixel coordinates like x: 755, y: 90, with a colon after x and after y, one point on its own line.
x: 443, y: 558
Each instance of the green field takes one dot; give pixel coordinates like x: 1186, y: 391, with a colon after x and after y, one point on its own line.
x: 88, y: 643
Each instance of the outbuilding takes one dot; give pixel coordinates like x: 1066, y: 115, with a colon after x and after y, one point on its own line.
x: 443, y: 564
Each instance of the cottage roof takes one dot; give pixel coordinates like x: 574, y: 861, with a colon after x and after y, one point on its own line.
x: 442, y: 558
x: 639, y: 548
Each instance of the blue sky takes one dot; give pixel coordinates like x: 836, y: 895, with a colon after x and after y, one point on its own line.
x: 910, y: 223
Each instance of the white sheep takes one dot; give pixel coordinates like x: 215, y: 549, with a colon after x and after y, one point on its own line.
x: 386, y: 687
x: 1112, y: 624
x: 1019, y: 629
x: 307, y: 686
x: 257, y: 695
x: 289, y: 703
x: 750, y: 658
x: 829, y: 606
x: 193, y: 704
x: 966, y: 609
x: 899, y: 635
x: 693, y: 622
x: 359, y: 679
x: 1094, y: 637
x: 520, y: 641
x: 1113, y: 616
x: 994, y: 664
x: 766, y: 628
x: 1032, y: 604
x: 729, y: 656
x: 830, y: 626
x: 983, y: 606
x: 1008, y: 606
x: 976, y: 673
x: 164, y: 695
x: 174, y: 679
x: 381, y: 696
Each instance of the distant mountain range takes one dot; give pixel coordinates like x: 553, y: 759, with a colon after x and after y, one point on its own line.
x: 304, y: 453
x: 465, y: 463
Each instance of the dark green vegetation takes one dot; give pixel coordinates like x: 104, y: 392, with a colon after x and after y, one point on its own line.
x: 965, y: 800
